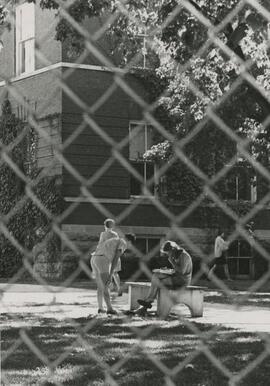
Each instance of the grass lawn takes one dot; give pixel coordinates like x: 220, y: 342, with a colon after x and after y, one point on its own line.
x: 101, y: 350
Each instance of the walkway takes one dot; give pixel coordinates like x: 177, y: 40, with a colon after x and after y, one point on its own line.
x: 35, y: 301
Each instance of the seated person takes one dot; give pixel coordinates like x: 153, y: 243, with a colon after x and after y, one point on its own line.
x: 180, y: 276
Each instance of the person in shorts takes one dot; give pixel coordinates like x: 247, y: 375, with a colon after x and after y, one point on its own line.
x: 107, y: 234
x: 103, y: 262
x: 179, y: 277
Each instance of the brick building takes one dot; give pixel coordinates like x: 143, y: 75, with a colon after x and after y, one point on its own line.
x: 57, y: 88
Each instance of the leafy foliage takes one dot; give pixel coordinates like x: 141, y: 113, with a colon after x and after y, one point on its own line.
x: 20, y: 215
x: 193, y: 74
x: 195, y: 54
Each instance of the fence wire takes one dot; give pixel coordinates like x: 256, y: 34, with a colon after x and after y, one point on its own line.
x: 100, y: 350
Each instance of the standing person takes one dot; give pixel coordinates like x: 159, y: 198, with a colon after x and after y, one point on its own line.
x: 103, y: 262
x: 221, y: 247
x: 179, y: 276
x: 107, y: 234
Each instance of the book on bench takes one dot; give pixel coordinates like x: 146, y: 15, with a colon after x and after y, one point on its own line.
x: 167, y: 271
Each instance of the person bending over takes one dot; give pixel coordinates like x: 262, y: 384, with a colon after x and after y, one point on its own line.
x: 179, y: 276
x: 103, y: 262
x: 107, y: 234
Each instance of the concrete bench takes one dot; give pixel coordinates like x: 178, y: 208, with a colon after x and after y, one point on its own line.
x: 191, y: 296
x: 136, y: 290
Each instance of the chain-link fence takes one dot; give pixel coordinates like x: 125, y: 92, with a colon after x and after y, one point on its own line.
x: 154, y: 114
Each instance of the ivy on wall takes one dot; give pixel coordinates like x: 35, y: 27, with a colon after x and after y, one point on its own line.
x: 19, y: 213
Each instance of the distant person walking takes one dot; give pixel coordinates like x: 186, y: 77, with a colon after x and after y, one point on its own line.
x: 220, y: 260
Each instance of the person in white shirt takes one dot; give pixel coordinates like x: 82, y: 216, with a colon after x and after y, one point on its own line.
x: 103, y: 262
x: 107, y: 234
x: 221, y: 247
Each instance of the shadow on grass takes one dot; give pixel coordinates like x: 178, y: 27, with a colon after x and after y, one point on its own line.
x: 238, y: 298
x: 89, y: 349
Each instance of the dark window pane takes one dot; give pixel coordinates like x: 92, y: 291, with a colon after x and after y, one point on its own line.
x: 135, y: 184
x: 245, y: 249
x: 237, y: 185
x: 243, y: 187
x: 233, y: 249
x: 149, y: 176
x: 137, y: 146
x: 243, y: 267
x: 140, y: 244
x: 23, y: 58
x: 230, y: 188
x: 152, y: 243
x: 154, y: 246
x: 136, y: 188
x: 233, y: 266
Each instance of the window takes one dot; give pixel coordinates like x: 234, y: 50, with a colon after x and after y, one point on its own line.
x: 140, y: 140
x: 148, y: 245
x: 240, y: 259
x: 25, y: 38
x: 239, y: 185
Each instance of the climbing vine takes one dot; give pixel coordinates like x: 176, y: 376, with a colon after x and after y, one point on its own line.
x: 21, y: 216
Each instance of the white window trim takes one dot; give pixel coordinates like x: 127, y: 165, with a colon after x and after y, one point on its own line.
x: 19, y: 41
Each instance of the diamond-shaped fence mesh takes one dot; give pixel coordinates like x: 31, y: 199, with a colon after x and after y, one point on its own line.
x: 154, y: 114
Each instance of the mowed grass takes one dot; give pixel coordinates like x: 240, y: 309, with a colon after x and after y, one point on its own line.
x: 128, y: 351
x: 239, y: 298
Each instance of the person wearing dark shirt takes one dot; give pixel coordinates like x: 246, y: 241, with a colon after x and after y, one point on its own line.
x: 179, y: 276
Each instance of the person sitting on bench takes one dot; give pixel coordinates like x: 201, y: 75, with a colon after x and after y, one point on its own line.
x: 178, y: 277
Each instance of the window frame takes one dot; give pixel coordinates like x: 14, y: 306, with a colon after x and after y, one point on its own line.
x: 21, y: 61
x: 146, y: 238
x: 252, y: 184
x: 239, y: 258
x: 141, y: 161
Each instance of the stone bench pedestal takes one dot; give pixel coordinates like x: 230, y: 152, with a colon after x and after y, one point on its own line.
x: 191, y: 296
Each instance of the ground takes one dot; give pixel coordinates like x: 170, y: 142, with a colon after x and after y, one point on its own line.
x: 58, y: 328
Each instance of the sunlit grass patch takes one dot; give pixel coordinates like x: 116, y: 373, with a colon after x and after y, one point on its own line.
x: 132, y: 351
x: 41, y: 375
x: 238, y: 298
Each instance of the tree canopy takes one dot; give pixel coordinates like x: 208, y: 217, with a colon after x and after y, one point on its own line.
x: 204, y: 60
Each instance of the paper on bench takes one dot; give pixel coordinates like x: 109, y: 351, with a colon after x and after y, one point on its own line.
x: 167, y: 271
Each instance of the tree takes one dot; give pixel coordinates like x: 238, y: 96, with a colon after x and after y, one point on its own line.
x: 180, y: 54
